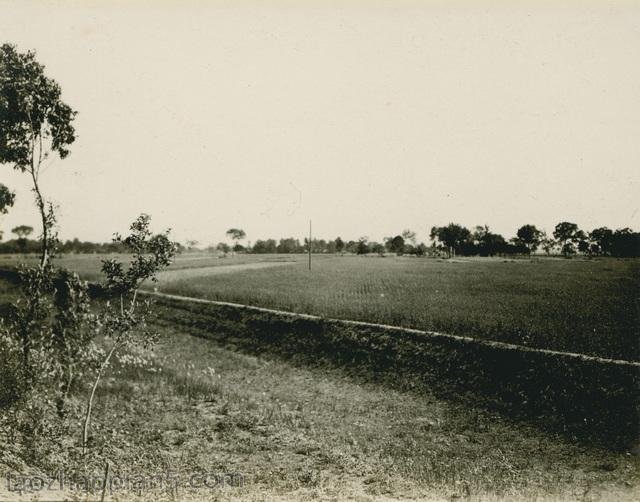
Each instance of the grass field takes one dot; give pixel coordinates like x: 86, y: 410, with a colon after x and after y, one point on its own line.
x: 308, y: 432
x: 585, y: 306
x: 579, y: 306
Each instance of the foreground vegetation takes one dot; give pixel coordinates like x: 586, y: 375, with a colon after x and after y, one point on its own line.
x: 305, y: 432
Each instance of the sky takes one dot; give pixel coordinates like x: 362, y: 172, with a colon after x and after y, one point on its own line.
x: 366, y: 117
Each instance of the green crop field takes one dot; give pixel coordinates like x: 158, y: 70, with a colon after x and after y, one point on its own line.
x: 589, y: 307
x: 586, y: 306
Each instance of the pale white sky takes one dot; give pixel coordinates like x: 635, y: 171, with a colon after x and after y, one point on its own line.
x: 366, y: 116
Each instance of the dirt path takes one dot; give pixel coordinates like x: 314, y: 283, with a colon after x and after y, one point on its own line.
x: 188, y: 273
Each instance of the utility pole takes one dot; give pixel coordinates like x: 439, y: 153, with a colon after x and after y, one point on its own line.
x: 309, y: 243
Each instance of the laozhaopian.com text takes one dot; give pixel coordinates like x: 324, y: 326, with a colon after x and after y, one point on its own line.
x: 22, y: 483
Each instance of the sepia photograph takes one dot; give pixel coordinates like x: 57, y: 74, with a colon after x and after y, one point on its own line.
x: 319, y: 250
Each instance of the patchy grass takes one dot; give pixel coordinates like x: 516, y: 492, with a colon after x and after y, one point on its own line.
x: 597, y: 402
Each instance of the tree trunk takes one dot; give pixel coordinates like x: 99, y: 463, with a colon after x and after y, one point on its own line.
x: 87, y: 418
x: 44, y: 253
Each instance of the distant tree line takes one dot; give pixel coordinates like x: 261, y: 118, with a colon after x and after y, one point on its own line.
x: 450, y: 240
x: 454, y: 239
x: 24, y: 245
x: 567, y: 239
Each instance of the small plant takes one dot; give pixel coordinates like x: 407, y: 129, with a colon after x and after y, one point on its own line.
x: 123, y: 319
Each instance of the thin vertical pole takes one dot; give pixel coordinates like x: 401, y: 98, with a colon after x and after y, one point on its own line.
x: 309, y: 244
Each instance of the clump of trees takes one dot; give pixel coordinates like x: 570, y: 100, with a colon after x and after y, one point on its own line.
x: 236, y: 235
x: 270, y: 246
x: 568, y: 236
x: 22, y: 232
x: 530, y: 236
x: 603, y: 241
x: 395, y: 244
x: 567, y: 239
x: 454, y: 238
